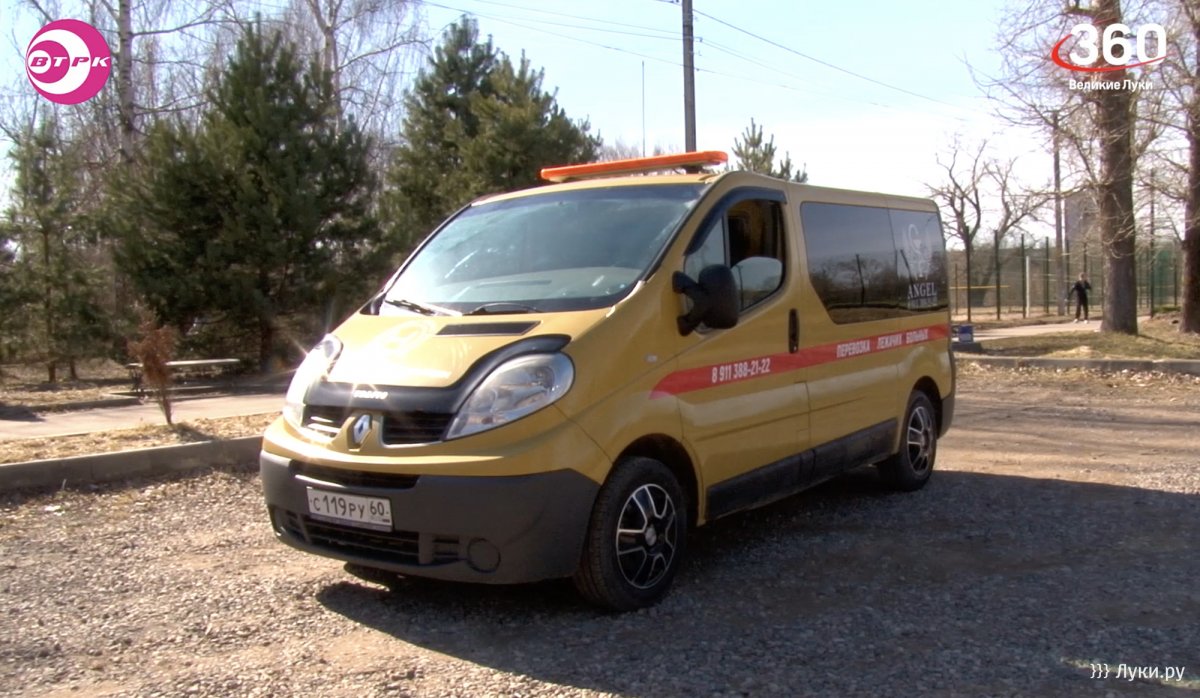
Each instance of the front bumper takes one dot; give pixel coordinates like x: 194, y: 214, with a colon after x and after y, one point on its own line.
x: 493, y: 529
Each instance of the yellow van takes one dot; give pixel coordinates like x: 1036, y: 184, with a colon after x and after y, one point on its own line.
x: 562, y: 381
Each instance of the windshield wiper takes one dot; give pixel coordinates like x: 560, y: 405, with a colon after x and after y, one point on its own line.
x: 503, y: 308
x: 417, y: 307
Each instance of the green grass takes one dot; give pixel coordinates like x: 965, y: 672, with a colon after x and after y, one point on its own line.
x: 1158, y: 339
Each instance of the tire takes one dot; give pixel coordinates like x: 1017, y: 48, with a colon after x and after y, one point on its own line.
x: 909, y: 469
x: 636, y: 537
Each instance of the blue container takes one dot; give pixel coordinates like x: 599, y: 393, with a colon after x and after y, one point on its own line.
x: 966, y: 333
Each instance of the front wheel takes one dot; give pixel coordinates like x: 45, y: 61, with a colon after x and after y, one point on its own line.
x: 636, y: 537
x: 909, y: 469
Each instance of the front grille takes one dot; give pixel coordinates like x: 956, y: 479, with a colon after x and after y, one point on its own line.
x: 325, y: 420
x: 400, y: 428
x: 355, y: 478
x: 403, y: 547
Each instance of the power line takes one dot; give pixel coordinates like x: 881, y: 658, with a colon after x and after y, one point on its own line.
x: 827, y: 64
x: 668, y: 37
x: 734, y: 76
x: 559, y: 35
x: 668, y: 33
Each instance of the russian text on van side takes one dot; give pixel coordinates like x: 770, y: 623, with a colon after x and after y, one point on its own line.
x: 752, y: 368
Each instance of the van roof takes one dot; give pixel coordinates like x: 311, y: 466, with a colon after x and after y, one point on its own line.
x: 806, y: 192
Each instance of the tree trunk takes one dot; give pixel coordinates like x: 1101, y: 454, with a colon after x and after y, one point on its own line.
x: 996, y: 264
x: 1190, y: 320
x: 1114, y: 111
x: 48, y: 315
x: 1060, y: 267
x: 970, y: 291
x: 266, y: 343
x: 125, y: 97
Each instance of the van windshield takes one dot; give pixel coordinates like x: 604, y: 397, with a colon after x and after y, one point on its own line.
x: 564, y: 250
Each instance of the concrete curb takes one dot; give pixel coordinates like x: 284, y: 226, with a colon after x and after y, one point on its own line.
x: 1109, y: 365
x: 57, y: 473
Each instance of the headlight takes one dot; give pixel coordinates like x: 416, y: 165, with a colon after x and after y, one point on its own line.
x: 516, y: 388
x: 314, y: 367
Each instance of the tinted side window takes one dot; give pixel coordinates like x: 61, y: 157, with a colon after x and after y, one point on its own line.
x: 852, y: 261
x: 922, y: 260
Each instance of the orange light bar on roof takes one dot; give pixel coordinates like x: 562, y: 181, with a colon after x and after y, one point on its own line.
x: 635, y: 165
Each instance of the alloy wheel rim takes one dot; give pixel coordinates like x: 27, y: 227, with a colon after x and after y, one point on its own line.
x: 920, y: 440
x: 646, y: 536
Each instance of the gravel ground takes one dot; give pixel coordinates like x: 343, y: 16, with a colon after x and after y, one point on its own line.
x: 1062, y: 530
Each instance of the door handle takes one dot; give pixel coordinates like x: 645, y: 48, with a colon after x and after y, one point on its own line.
x: 793, y: 331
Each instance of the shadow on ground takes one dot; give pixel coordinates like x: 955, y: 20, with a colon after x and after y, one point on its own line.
x: 18, y: 413
x: 980, y: 584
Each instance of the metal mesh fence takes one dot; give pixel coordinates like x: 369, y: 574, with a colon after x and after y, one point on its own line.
x: 1024, y: 281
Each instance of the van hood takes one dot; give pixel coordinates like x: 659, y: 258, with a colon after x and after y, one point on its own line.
x: 434, y: 352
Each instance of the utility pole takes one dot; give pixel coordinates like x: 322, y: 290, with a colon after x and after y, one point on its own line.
x: 1060, y: 273
x: 689, y: 81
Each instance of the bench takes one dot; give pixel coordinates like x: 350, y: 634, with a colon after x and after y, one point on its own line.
x: 187, y: 369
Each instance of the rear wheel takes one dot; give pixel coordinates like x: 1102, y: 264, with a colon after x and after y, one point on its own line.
x: 909, y: 469
x: 636, y: 537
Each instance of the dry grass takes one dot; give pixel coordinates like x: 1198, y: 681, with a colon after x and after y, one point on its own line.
x: 20, y: 450
x: 1158, y: 339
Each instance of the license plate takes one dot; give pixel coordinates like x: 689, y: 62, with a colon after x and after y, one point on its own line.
x: 365, y: 512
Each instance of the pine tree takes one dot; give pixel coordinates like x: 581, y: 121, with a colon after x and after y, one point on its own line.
x: 754, y: 154
x: 261, y: 216
x: 53, y: 293
x: 475, y: 124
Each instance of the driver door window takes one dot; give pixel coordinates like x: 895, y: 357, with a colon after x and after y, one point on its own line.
x: 748, y: 239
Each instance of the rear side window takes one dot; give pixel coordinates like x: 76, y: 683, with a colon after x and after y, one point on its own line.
x: 921, y: 260
x: 871, y: 263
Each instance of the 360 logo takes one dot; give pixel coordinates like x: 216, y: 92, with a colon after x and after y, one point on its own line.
x: 68, y: 61
x: 1114, y: 45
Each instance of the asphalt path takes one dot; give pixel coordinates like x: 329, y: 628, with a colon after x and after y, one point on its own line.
x: 128, y: 417
x: 1035, y: 330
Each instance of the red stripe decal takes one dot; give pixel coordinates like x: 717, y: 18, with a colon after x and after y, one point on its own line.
x: 691, y: 379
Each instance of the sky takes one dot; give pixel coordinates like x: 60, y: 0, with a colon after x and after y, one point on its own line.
x: 865, y: 95
x: 882, y: 88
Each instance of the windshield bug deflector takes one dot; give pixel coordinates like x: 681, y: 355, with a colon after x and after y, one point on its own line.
x: 555, y: 251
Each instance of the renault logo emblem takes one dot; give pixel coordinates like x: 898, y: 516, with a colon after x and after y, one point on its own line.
x: 359, y: 431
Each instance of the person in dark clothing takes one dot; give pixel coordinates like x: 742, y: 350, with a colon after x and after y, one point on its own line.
x: 1080, y: 291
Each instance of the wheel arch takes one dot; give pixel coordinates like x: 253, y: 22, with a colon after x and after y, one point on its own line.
x: 672, y: 454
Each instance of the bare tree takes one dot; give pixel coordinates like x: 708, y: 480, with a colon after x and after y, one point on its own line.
x: 960, y: 193
x: 1097, y: 123
x: 618, y: 150
x: 370, y: 46
x: 160, y: 58
x: 1179, y: 160
x: 1017, y: 206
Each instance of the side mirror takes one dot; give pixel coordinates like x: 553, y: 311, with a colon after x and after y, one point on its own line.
x: 714, y: 299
